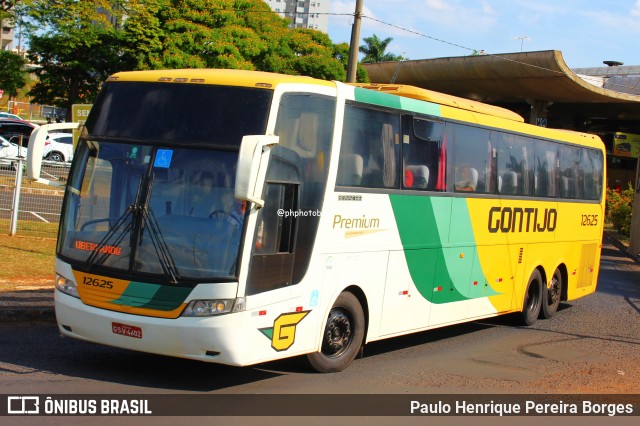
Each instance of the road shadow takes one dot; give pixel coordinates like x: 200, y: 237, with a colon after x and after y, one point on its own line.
x: 422, y: 338
x: 40, y: 348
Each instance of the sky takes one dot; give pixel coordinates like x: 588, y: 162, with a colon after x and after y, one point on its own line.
x: 587, y: 32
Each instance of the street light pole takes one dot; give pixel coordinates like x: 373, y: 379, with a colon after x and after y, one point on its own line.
x: 522, y: 39
x: 354, y: 46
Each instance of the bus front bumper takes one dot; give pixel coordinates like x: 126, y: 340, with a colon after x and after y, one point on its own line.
x: 217, y: 339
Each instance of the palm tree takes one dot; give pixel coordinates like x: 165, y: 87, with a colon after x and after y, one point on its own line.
x: 374, y: 50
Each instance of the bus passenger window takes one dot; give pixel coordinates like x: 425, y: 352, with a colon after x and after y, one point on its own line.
x: 369, y: 152
x: 591, y: 165
x: 423, y: 150
x: 545, y: 169
x: 474, y: 157
x: 466, y: 178
x: 569, y: 160
x: 514, y: 163
x: 349, y: 170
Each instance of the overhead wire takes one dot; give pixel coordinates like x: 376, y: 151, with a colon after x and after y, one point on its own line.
x: 501, y: 57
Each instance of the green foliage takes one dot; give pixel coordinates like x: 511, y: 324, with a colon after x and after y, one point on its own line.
x: 142, y: 35
x: 341, y: 53
x: 374, y: 50
x: 78, y: 44
x: 78, y: 49
x: 619, y: 205
x: 238, y: 34
x: 12, y: 74
x: 7, y: 9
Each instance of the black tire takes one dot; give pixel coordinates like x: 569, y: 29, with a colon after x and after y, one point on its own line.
x: 551, y: 296
x: 56, y: 156
x: 532, y: 299
x: 342, y: 337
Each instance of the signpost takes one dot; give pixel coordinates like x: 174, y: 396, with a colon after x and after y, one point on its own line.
x: 626, y: 145
x: 79, y: 114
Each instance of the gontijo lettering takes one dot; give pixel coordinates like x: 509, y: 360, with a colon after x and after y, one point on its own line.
x: 519, y: 219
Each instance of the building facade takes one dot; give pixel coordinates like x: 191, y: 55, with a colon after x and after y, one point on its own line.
x: 313, y: 14
x: 6, y: 35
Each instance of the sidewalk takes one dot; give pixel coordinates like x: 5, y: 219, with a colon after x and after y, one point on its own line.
x: 29, y: 302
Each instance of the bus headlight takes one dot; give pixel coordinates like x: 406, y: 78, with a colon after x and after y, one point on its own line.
x: 67, y: 286
x: 205, y: 308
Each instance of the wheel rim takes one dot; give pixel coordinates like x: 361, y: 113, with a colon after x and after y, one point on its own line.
x: 56, y: 157
x: 338, y: 333
x: 554, y: 290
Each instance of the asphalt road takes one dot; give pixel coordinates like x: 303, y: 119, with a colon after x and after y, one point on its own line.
x: 590, y: 346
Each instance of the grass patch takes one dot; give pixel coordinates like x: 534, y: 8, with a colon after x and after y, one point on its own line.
x: 26, y: 257
x: 29, y: 228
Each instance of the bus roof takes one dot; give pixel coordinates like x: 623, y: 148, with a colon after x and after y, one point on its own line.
x: 227, y: 77
x: 441, y: 98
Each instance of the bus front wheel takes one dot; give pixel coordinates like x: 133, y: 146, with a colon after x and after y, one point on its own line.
x: 551, y: 295
x: 342, y: 337
x: 532, y: 299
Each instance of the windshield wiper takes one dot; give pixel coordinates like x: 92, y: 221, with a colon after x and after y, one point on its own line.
x: 93, y: 257
x: 143, y: 215
x: 160, y: 245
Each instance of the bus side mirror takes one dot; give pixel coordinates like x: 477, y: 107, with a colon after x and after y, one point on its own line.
x: 252, y: 167
x: 36, y: 148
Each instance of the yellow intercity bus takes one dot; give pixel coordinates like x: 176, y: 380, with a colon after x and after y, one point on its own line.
x: 239, y: 217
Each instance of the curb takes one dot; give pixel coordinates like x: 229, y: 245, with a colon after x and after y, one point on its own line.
x: 25, y: 314
x: 608, y: 238
x: 33, y: 305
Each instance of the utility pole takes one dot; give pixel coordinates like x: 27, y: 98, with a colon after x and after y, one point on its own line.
x: 355, y: 43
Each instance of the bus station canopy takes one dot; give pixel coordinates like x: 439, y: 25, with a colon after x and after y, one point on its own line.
x: 540, y: 79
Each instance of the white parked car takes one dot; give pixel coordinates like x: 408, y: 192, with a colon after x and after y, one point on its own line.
x: 58, y: 147
x: 9, y: 152
x: 9, y: 115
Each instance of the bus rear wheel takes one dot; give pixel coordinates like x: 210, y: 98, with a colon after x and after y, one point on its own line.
x: 342, y: 337
x: 532, y: 299
x: 551, y: 295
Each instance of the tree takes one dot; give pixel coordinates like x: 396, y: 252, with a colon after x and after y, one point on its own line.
x: 13, y: 77
x: 6, y: 7
x: 77, y: 50
x: 374, y: 50
x: 78, y: 44
x: 240, y: 34
x: 341, y: 52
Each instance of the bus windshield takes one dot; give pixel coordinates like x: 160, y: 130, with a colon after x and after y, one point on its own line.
x: 150, y: 211
x: 151, y: 198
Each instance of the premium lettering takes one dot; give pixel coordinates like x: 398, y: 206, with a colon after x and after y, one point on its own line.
x: 355, y: 222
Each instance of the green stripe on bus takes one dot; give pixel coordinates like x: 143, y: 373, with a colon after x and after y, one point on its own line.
x: 377, y: 98
x: 421, y: 107
x: 152, y: 296
x: 439, y: 274
x: 397, y: 102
